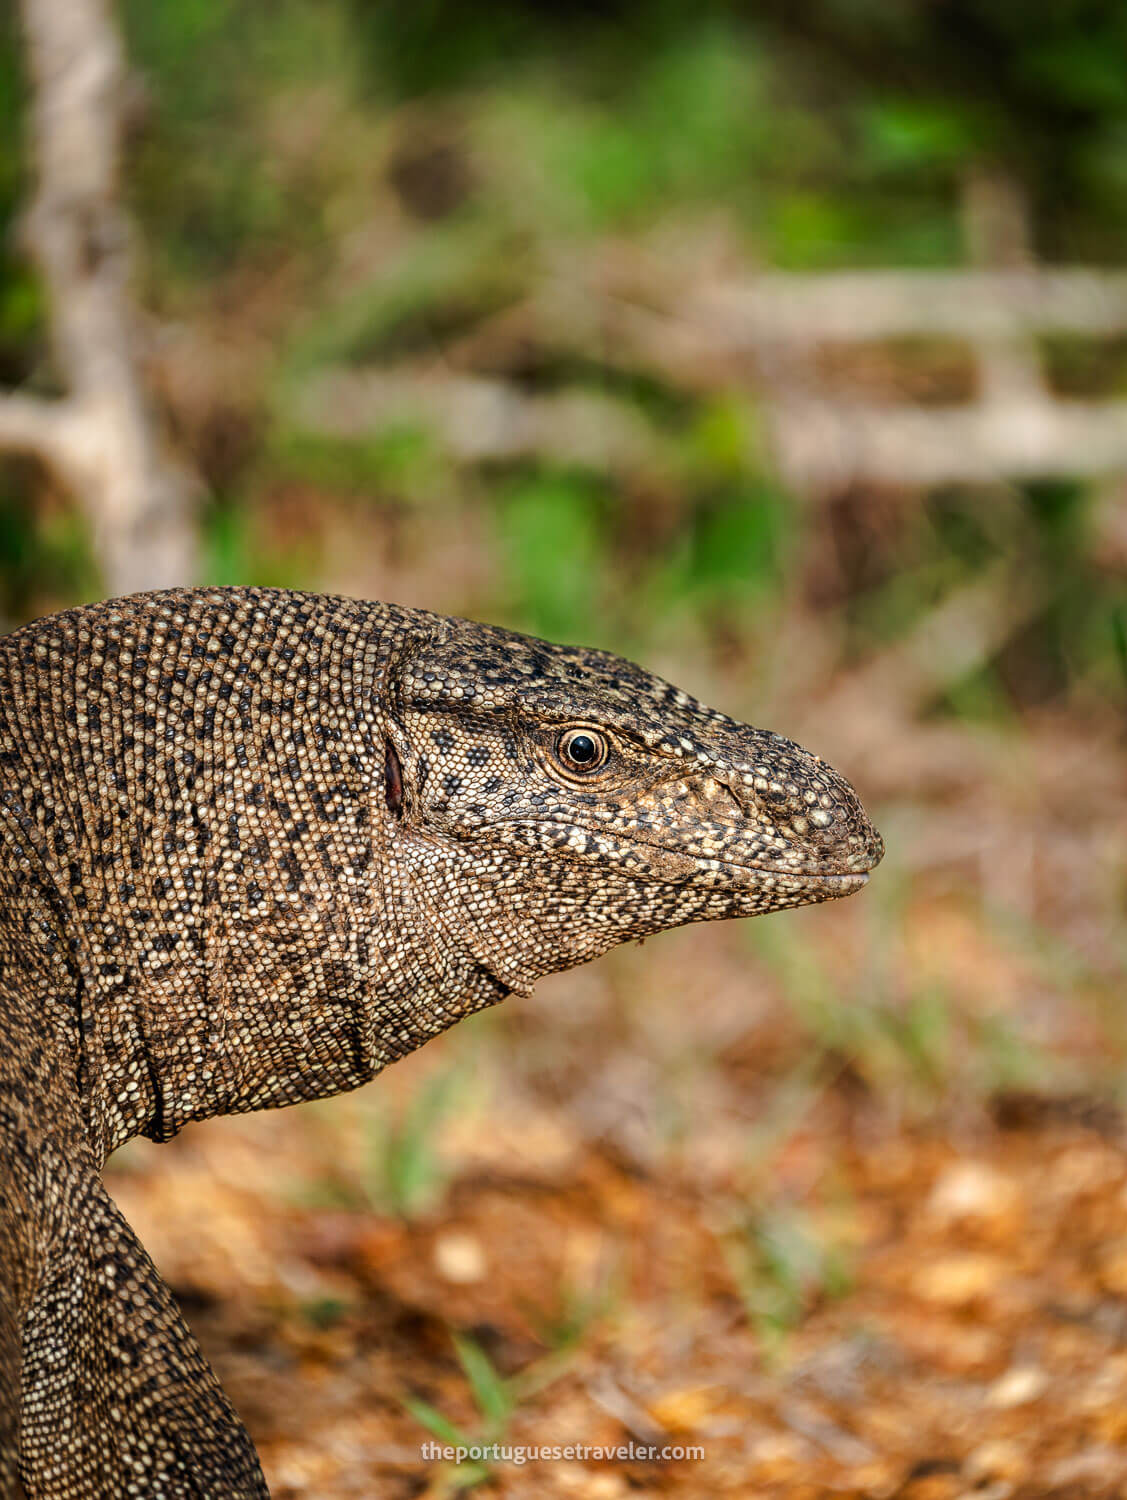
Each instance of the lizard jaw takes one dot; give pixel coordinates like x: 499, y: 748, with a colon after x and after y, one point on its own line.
x: 647, y: 860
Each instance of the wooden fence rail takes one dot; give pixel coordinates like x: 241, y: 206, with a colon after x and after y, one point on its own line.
x: 1014, y: 428
x: 764, y: 333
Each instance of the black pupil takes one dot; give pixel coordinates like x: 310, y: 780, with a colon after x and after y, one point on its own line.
x: 581, y: 749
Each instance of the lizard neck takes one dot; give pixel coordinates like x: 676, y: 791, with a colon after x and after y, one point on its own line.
x: 204, y: 778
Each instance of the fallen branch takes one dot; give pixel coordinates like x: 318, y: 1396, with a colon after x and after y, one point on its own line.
x: 861, y: 306
x: 825, y: 445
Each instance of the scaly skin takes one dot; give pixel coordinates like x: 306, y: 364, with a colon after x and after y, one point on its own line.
x: 256, y: 845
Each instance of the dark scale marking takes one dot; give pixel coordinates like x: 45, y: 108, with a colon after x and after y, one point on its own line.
x: 192, y: 866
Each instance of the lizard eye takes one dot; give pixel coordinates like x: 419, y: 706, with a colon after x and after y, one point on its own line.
x: 581, y: 750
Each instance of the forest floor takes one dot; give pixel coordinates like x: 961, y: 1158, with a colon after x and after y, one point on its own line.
x: 723, y: 1192
x: 969, y: 1336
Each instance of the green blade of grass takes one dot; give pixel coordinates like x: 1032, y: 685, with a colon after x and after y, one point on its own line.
x: 433, y: 1420
x: 490, y: 1391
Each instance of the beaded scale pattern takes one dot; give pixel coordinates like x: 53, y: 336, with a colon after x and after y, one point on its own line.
x: 256, y: 845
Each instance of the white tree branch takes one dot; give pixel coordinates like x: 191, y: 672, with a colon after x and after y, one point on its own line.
x: 32, y: 426
x: 102, y: 438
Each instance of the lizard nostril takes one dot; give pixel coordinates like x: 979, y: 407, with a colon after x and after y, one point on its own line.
x: 721, y: 798
x: 726, y: 794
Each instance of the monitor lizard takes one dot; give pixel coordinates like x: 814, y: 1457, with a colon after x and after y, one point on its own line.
x: 254, y: 846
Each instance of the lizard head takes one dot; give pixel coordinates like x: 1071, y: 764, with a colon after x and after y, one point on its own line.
x: 574, y: 800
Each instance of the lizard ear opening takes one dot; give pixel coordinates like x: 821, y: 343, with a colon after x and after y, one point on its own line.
x: 393, y: 780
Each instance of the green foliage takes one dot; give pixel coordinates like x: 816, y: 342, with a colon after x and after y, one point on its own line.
x: 206, y: 174
x: 568, y: 1326
x: 232, y: 554
x: 687, y: 125
x: 737, y: 543
x: 324, y: 1312
x: 226, y: 545
x: 406, y: 1175
x: 13, y: 172
x: 1036, y: 87
x: 491, y: 1394
x: 729, y: 556
x: 1058, y: 512
x: 722, y: 442
x: 911, y: 135
x: 551, y: 529
x: 400, y: 460
x: 899, y: 1043
x: 22, y: 309
x: 494, y: 1399
x: 465, y: 1476
x: 457, y: 276
x: 782, y: 1266
x: 45, y: 557
x: 1118, y: 632
x: 401, y: 1172
x: 1084, y: 367
x: 898, y: 1028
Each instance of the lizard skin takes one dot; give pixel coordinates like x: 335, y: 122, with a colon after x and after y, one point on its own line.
x: 254, y: 846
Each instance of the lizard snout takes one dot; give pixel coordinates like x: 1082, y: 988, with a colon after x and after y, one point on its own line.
x: 805, y: 803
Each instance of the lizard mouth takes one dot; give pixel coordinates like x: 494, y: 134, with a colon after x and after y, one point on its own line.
x: 734, y: 877
x: 664, y: 864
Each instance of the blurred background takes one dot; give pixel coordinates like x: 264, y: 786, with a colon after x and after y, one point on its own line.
x: 784, y: 349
